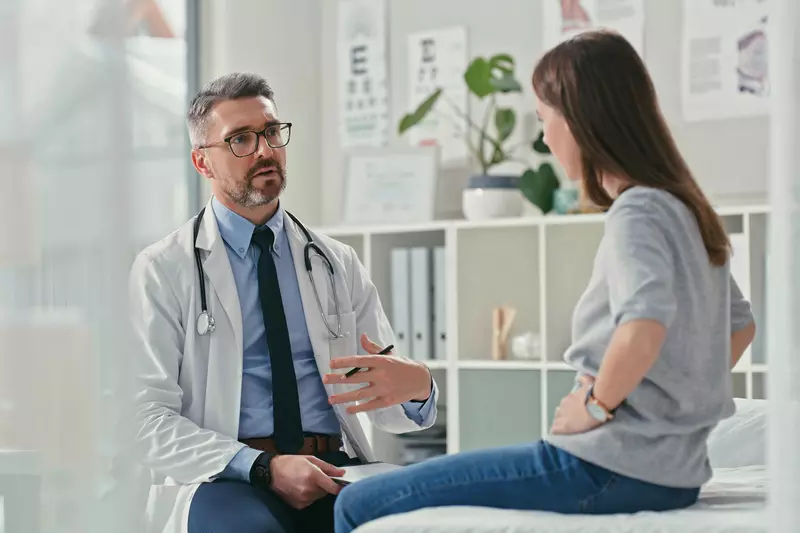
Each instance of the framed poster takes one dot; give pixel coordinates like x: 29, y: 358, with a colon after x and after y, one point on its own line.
x: 725, y: 59
x: 391, y: 185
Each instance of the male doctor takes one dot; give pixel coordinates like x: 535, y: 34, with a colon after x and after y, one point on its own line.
x: 243, y: 411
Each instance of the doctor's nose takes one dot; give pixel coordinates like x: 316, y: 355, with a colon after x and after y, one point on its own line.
x: 264, y: 150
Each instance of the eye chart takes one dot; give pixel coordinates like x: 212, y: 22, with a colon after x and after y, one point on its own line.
x: 438, y: 59
x: 363, y: 76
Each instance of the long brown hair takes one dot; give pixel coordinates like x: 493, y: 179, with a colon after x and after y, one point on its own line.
x: 600, y: 85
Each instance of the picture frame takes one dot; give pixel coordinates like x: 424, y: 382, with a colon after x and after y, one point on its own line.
x: 391, y: 185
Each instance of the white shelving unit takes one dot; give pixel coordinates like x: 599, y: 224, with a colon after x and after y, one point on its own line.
x: 541, y: 266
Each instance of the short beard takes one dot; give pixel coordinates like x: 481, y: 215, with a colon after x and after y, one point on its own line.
x: 245, y: 195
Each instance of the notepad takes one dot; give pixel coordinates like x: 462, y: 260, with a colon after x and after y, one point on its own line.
x: 353, y: 474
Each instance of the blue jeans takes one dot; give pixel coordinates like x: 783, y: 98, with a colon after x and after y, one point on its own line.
x: 535, y: 476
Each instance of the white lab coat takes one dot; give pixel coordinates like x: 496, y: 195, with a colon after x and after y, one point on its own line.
x: 189, y: 386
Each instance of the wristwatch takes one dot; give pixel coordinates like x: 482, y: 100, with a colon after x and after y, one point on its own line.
x: 597, y: 409
x: 261, y: 472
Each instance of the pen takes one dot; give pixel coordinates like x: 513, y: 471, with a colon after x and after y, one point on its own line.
x: 385, y: 351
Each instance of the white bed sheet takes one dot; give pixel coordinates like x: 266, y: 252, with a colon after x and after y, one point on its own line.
x: 732, y: 502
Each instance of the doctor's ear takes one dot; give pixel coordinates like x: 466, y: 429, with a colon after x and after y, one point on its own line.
x: 200, y: 162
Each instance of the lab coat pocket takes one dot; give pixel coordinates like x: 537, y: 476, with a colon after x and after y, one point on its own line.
x: 345, y: 346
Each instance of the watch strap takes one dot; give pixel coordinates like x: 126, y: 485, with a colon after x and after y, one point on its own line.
x: 590, y: 398
x: 261, y: 471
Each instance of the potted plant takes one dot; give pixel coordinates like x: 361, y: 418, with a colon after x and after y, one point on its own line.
x: 488, y: 143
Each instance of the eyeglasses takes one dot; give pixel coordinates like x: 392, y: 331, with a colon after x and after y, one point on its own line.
x: 245, y: 143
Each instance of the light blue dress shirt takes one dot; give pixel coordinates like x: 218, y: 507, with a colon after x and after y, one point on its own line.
x: 256, y: 419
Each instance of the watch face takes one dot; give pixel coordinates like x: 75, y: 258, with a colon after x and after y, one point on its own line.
x: 261, y: 471
x: 596, y: 412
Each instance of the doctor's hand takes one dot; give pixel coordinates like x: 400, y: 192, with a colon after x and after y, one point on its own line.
x: 390, y: 380
x: 300, y: 480
x: 571, y: 415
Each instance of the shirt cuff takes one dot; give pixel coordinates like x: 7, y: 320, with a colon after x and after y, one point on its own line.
x: 421, y: 412
x: 241, y: 464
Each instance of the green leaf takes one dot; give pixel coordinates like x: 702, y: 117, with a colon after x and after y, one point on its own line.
x: 495, y: 75
x: 502, y: 62
x: 498, y: 156
x: 539, y: 185
x: 412, y: 119
x: 504, y: 119
x: 539, y: 146
x: 506, y: 84
x: 478, y: 77
x: 502, y: 74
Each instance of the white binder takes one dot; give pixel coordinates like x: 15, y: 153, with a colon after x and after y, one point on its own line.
x: 439, y: 304
x: 421, y: 311
x: 401, y: 300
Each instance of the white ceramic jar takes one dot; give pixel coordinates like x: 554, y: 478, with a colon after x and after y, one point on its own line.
x: 487, y: 197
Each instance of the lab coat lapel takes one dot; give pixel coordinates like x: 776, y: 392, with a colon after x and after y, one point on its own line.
x: 320, y: 337
x: 316, y: 327
x: 219, y: 273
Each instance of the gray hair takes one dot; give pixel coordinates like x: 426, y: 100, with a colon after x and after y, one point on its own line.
x: 228, y: 87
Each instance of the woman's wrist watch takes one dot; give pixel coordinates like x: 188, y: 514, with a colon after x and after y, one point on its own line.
x: 597, y: 409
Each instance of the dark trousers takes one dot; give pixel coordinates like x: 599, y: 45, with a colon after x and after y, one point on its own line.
x: 227, y: 506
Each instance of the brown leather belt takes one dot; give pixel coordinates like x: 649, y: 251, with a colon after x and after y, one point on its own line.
x: 312, y: 444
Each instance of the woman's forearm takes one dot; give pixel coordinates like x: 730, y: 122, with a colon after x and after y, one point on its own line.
x: 633, y: 349
x: 740, y: 340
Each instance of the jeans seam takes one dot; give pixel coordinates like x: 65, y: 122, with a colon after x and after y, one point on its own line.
x: 427, y: 491
x: 582, y: 504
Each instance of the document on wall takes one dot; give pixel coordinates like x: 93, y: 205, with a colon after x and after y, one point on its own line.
x: 390, y: 185
x: 566, y: 18
x: 437, y: 60
x: 363, y: 73
x: 724, y: 59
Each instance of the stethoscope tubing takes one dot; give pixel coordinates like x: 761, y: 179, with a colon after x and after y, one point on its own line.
x: 205, y: 322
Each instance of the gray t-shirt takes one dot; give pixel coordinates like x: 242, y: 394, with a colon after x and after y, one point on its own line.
x: 651, y: 264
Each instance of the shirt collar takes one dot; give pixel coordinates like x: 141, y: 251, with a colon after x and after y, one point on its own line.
x: 237, y: 231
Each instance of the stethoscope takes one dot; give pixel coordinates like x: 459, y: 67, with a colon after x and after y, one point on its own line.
x: 206, y: 323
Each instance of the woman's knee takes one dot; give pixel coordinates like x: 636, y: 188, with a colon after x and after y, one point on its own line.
x: 358, y: 503
x: 350, y: 498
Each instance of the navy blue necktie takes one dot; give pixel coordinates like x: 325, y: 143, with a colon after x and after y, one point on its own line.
x: 288, y: 433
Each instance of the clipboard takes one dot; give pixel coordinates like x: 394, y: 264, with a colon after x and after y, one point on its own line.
x: 354, y: 474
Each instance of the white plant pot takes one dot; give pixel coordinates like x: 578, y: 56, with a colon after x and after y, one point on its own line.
x: 488, y: 197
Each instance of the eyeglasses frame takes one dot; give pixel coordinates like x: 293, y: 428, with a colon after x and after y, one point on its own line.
x: 259, y: 134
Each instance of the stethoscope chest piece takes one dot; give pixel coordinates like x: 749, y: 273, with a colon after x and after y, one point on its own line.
x: 205, y: 323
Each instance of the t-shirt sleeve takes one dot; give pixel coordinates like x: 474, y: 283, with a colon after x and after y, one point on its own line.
x: 639, y: 266
x: 741, y: 314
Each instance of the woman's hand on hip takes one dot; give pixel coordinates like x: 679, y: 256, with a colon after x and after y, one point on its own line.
x: 390, y: 380
x: 300, y: 480
x: 571, y: 415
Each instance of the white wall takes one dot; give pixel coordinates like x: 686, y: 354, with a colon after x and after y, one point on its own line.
x: 728, y: 157
x: 278, y: 39
x: 293, y: 44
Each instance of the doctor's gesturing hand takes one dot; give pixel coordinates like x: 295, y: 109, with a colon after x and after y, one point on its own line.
x: 391, y: 380
x: 300, y: 480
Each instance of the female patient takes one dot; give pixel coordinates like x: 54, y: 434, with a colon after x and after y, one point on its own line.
x: 654, y: 336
